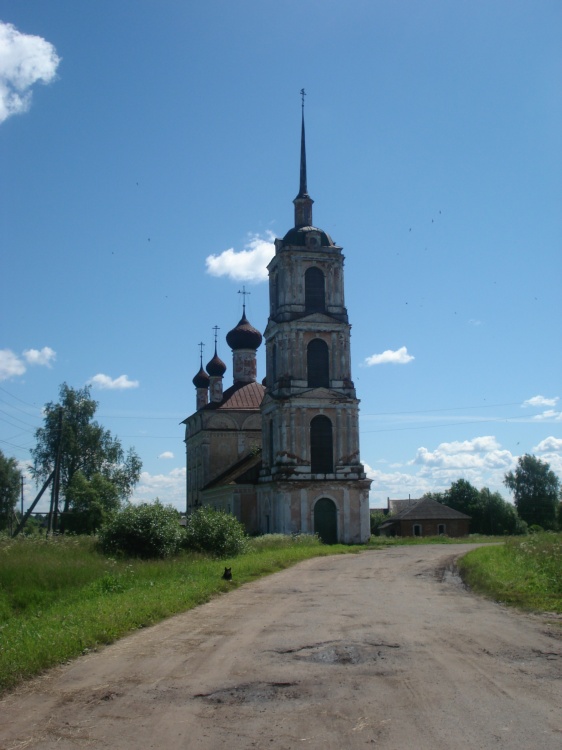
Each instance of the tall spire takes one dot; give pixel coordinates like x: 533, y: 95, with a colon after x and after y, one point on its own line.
x: 303, y: 202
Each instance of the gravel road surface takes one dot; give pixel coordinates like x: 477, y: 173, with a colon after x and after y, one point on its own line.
x: 383, y: 649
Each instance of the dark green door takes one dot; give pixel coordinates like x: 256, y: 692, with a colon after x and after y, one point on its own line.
x: 326, y: 520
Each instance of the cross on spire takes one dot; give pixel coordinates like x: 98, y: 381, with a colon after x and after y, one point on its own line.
x: 244, y: 294
x: 201, y: 346
x: 303, y: 202
x: 216, y: 329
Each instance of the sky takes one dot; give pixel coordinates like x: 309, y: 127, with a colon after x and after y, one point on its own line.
x: 149, y: 155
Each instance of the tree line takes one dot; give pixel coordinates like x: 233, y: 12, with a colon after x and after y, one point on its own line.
x: 95, y: 475
x: 537, y: 501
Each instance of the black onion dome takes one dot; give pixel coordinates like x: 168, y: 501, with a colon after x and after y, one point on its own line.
x: 201, y: 380
x: 216, y: 367
x: 297, y: 236
x: 244, y: 336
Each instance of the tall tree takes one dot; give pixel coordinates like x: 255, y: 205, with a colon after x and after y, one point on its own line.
x: 489, y: 512
x: 497, y: 516
x: 10, y: 482
x: 88, y: 454
x: 536, y: 491
x: 465, y: 498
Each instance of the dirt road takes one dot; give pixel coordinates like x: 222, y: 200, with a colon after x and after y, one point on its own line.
x: 382, y: 649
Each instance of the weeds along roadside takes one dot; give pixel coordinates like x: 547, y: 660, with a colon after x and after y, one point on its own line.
x: 525, y: 572
x: 61, y: 598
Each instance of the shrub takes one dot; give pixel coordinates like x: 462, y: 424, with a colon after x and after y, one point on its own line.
x: 146, y: 530
x: 214, y: 531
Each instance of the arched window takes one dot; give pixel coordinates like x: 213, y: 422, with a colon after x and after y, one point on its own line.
x: 321, y: 446
x: 318, y: 364
x: 314, y: 292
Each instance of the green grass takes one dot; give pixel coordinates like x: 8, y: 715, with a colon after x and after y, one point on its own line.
x: 525, y: 572
x: 61, y: 598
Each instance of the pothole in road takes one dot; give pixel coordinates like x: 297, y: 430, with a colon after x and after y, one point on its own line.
x: 341, y: 652
x: 253, y: 692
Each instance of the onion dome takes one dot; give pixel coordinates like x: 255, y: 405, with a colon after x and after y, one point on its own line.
x: 216, y: 367
x: 201, y: 380
x: 244, y: 336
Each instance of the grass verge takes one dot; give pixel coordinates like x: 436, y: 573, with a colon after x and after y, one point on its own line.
x: 61, y: 598
x: 525, y: 572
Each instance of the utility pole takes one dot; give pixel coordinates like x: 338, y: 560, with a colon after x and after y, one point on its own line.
x: 22, y: 495
x: 54, y: 508
x: 33, y: 504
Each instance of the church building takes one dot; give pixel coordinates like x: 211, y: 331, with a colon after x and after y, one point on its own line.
x: 283, y: 455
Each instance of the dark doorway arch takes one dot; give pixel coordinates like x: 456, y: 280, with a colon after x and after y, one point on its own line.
x: 314, y: 291
x: 326, y: 520
x: 318, y: 364
x: 321, y: 446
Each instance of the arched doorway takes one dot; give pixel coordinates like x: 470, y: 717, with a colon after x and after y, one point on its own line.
x: 326, y: 520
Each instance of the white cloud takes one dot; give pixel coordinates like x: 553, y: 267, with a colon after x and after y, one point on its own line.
x: 43, y: 357
x: 477, y: 454
x: 10, y: 365
x: 541, y: 401
x: 105, y: 383
x: 166, y: 454
x: 168, y: 488
x: 549, y: 414
x: 481, y: 461
x: 24, y: 60
x: 249, y: 264
x: 549, y: 444
x: 399, y: 357
x: 476, y: 445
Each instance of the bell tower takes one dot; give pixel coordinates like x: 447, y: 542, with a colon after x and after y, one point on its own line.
x: 311, y: 479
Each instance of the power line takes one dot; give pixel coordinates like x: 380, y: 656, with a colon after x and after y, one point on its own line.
x: 496, y: 420
x: 34, y: 406
x: 449, y: 408
x: 10, y: 416
x: 13, y: 445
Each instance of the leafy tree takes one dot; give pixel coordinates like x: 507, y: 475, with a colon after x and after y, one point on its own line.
x: 214, y: 531
x: 146, y: 530
x: 10, y: 482
x: 465, y: 498
x: 489, y: 512
x: 86, y: 448
x: 378, y: 517
x: 536, y: 491
x: 497, y: 516
x: 93, y: 501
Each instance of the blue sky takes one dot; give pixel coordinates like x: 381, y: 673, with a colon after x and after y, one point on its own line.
x: 149, y: 154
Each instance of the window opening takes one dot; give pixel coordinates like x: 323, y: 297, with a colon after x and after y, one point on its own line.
x: 321, y: 446
x: 314, y: 292
x: 318, y: 364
